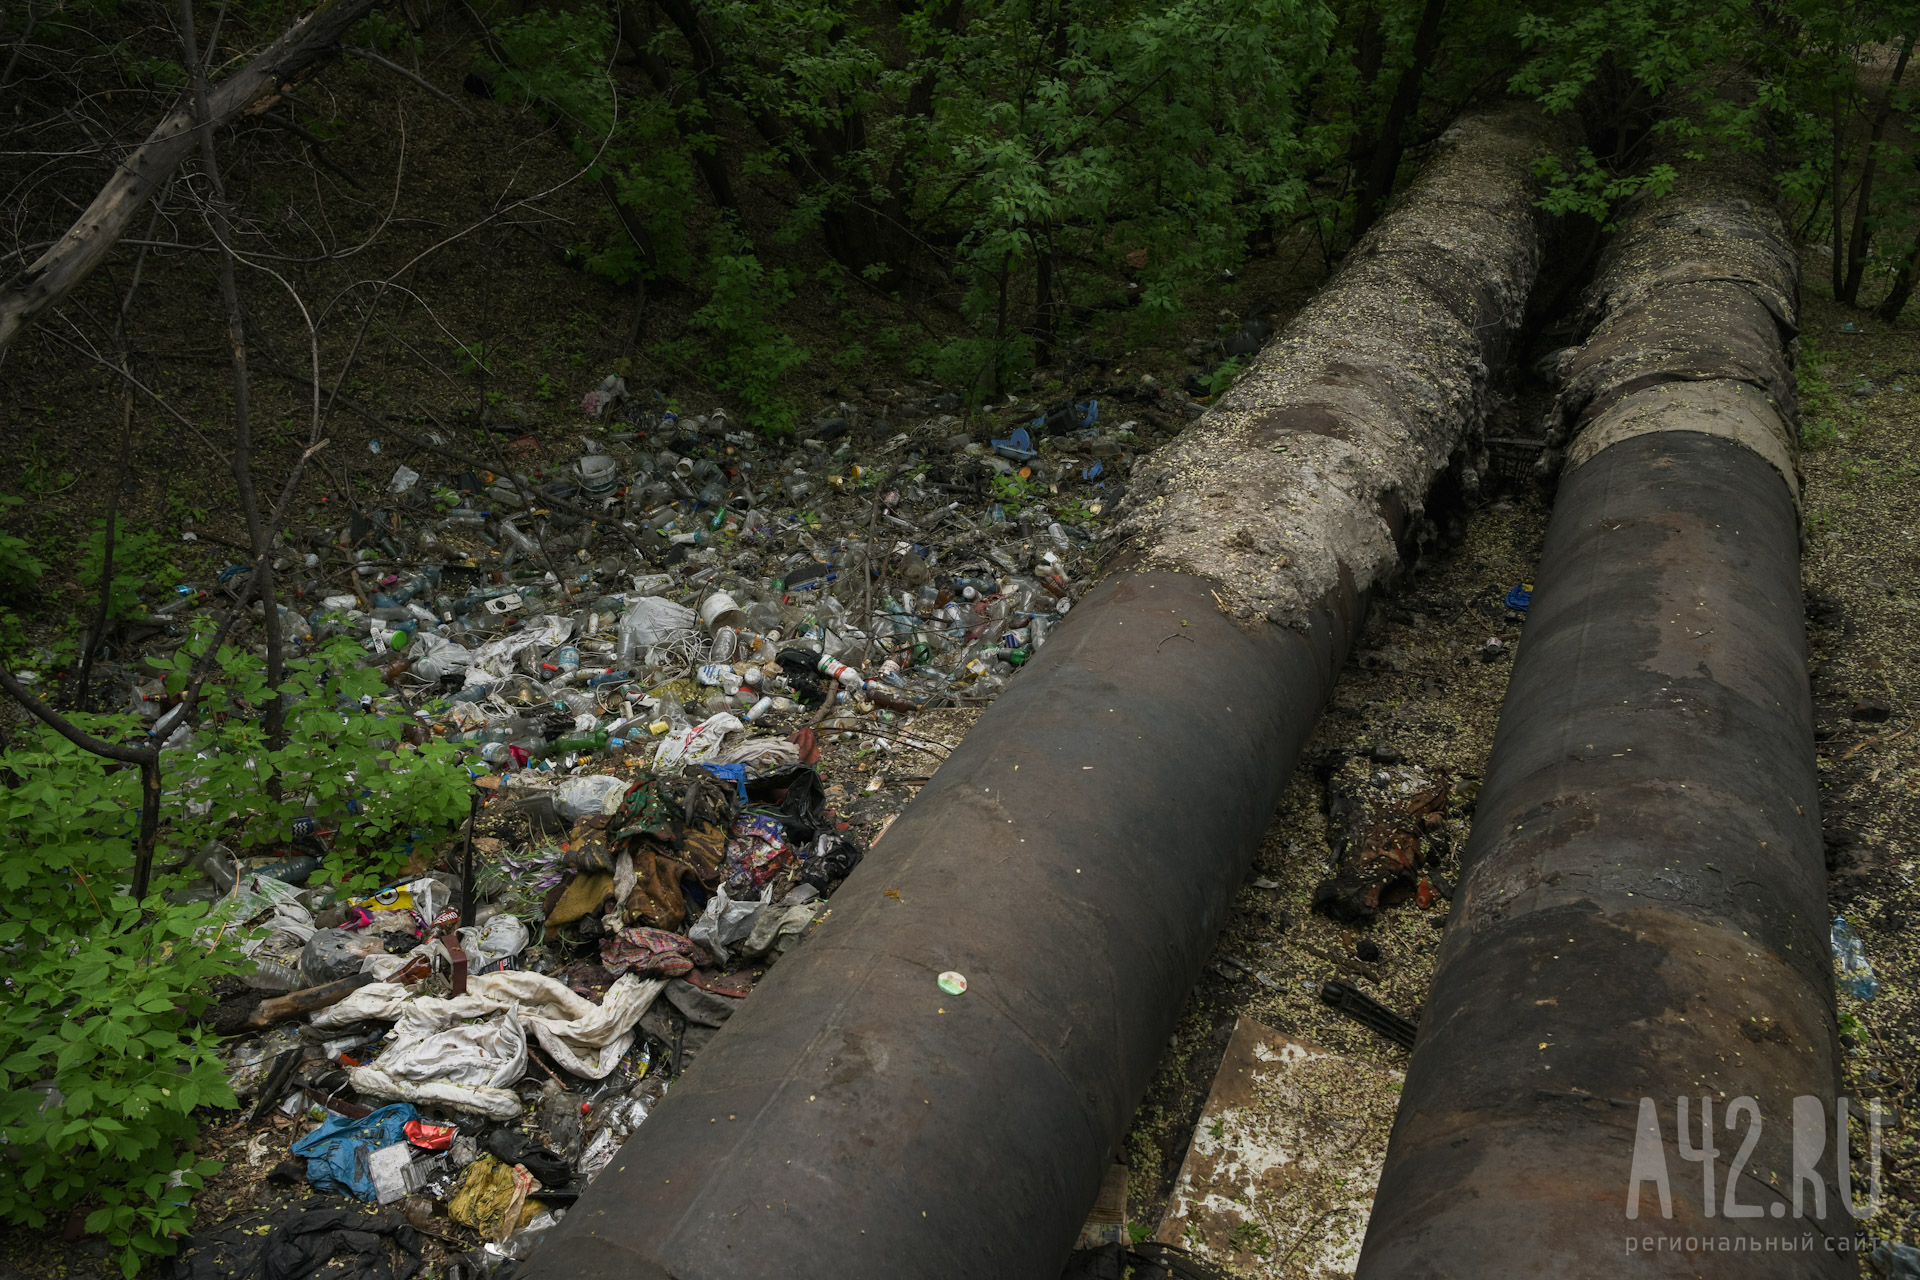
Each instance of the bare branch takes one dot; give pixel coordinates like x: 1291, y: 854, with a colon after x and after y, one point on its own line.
x: 55, y: 273
x: 399, y: 70
x: 67, y: 729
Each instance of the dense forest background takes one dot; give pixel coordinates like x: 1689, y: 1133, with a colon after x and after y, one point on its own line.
x: 765, y: 199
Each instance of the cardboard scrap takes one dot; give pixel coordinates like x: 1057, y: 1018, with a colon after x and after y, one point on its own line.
x: 1279, y: 1179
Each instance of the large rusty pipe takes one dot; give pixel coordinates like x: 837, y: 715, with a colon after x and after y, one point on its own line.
x: 1641, y: 921
x: 1074, y: 857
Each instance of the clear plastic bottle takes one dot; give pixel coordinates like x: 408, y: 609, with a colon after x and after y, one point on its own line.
x: 216, y: 862
x: 520, y: 541
x: 674, y: 714
x: 271, y: 975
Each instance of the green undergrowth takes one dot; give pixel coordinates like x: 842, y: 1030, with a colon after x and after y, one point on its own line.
x: 104, y: 1063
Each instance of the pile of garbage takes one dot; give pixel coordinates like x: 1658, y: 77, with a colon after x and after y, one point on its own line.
x: 541, y: 614
x: 639, y: 660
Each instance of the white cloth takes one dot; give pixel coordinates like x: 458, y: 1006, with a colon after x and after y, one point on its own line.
x: 696, y: 745
x: 467, y: 1051
x: 761, y: 752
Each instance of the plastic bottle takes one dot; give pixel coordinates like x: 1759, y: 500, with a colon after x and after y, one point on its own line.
x: 421, y: 584
x: 674, y: 714
x: 294, y: 870
x: 185, y: 594
x: 216, y: 862
x: 844, y: 674
x: 524, y: 544
x: 1852, y: 973
x: 271, y: 975
x: 166, y: 724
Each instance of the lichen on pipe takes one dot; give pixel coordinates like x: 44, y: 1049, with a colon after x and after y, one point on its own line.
x: 1640, y: 925
x: 1309, y: 470
x: 1687, y: 315
x: 1074, y: 857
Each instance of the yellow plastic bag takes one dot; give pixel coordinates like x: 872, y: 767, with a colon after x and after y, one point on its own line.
x: 491, y: 1197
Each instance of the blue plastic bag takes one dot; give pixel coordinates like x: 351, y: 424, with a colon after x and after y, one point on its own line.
x: 337, y: 1151
x: 734, y: 773
x: 1852, y: 972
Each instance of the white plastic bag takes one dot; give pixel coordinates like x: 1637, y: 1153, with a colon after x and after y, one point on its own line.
x: 726, y: 921
x: 577, y: 798
x: 433, y: 655
x: 493, y: 661
x: 696, y: 745
x: 648, y: 621
x: 500, y: 937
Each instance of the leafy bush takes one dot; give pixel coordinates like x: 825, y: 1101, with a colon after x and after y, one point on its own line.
x: 970, y: 362
x: 102, y: 1064
x: 751, y: 355
x: 1223, y: 376
x: 345, y: 768
x: 20, y: 569
x: 140, y: 561
x: 103, y: 1069
x: 100, y: 1061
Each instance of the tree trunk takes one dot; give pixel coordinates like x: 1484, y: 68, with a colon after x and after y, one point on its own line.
x: 712, y: 166
x: 1890, y: 306
x: 1045, y: 327
x: 990, y: 383
x: 1838, y: 198
x: 57, y: 271
x: 1858, y: 243
x: 1384, y: 165
x: 149, y: 825
x: 241, y: 462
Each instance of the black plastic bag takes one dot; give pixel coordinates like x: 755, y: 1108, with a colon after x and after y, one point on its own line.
x: 801, y: 667
x: 548, y: 1167
x: 795, y: 795
x: 345, y: 1244
x: 832, y: 857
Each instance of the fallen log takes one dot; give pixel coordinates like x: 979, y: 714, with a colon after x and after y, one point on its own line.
x: 869, y: 1113
x: 248, y: 91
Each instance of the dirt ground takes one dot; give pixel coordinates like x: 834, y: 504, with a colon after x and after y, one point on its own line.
x: 1862, y: 576
x: 1414, y: 690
